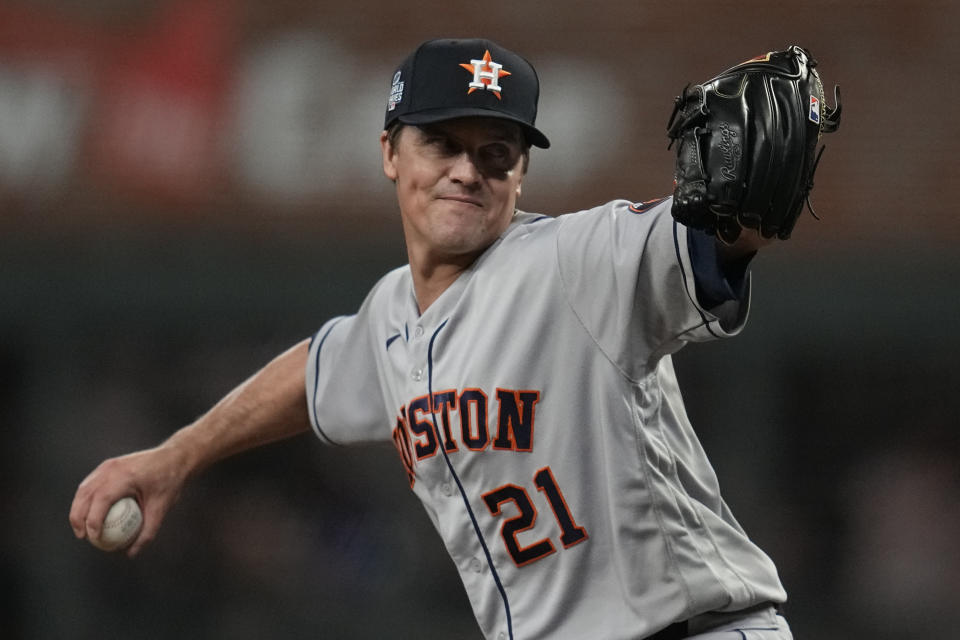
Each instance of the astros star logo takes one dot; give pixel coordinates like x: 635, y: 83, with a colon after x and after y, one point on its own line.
x: 486, y: 74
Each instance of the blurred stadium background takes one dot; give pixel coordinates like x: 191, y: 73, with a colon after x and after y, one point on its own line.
x: 189, y: 186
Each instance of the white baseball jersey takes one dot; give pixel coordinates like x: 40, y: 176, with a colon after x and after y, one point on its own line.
x: 535, y: 408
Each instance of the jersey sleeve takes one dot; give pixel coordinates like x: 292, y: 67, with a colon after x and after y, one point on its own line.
x: 343, y: 392
x: 628, y: 276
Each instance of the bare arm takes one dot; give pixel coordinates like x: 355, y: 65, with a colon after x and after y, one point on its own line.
x: 269, y: 406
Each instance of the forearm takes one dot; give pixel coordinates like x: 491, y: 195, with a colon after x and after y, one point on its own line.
x: 267, y: 407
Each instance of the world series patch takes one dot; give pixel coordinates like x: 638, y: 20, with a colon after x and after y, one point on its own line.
x: 396, y: 92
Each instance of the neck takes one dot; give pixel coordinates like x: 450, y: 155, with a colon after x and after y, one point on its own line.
x: 432, y: 277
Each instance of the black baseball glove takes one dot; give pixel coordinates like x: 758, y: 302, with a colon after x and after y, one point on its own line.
x: 747, y: 145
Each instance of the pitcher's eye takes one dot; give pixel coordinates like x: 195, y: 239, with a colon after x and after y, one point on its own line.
x: 495, y: 151
x: 445, y: 145
x: 498, y: 157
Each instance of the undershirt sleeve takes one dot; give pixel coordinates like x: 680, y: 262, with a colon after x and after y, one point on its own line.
x: 715, y: 283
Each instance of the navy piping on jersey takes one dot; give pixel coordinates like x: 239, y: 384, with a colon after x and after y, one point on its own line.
x: 391, y: 339
x: 313, y: 405
x: 456, y: 478
x: 683, y: 273
x: 744, y: 636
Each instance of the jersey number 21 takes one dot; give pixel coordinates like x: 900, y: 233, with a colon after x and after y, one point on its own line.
x: 570, y: 532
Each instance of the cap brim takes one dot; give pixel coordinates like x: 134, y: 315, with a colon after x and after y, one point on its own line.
x: 533, y: 135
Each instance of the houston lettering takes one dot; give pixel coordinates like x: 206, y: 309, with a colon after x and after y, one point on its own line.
x: 464, y: 420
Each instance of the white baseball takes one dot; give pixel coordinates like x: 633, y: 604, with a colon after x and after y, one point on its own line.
x: 121, y: 526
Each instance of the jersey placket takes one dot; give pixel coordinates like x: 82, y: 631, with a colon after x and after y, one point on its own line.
x: 473, y: 563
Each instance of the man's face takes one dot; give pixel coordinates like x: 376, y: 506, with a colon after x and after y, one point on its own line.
x: 457, y: 184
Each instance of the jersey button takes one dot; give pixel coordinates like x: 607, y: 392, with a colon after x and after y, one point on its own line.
x: 502, y: 635
x: 418, y: 332
x: 447, y: 489
x: 417, y: 375
x: 475, y: 565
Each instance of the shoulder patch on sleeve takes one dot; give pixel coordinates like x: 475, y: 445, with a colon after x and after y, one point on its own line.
x: 643, y: 207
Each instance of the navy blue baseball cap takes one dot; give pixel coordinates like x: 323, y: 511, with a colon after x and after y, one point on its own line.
x: 456, y: 78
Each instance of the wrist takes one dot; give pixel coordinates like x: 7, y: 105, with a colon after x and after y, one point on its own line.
x: 189, y: 450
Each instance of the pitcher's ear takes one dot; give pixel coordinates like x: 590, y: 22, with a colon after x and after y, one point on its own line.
x: 389, y: 156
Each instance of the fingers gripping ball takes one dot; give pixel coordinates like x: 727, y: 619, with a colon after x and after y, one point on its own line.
x: 120, y: 527
x: 747, y: 145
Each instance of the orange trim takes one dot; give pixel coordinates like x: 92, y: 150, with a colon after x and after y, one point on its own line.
x: 525, y: 521
x: 568, y: 526
x: 466, y: 422
x: 515, y: 417
x: 422, y: 428
x: 443, y: 403
x: 401, y: 440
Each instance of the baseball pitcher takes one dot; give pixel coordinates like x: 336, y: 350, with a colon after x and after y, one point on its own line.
x: 521, y: 363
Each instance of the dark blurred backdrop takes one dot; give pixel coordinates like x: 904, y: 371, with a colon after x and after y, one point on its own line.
x: 189, y: 186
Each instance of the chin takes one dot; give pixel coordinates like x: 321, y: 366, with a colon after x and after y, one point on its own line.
x: 462, y: 245
x: 464, y: 229
x: 459, y: 227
